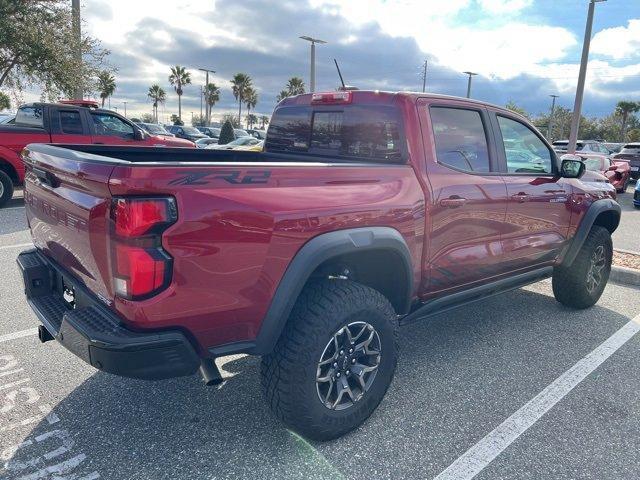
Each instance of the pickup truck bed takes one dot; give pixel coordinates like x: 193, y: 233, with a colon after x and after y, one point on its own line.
x: 367, y: 209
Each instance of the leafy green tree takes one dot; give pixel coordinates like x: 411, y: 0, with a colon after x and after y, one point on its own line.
x: 178, y: 79
x: 176, y: 120
x: 240, y: 84
x: 264, y: 121
x: 634, y: 135
x: 158, y: 96
x: 251, y: 100
x: 226, y: 133
x: 227, y: 117
x: 511, y: 105
x: 38, y: 46
x: 211, y: 97
x: 106, y: 85
x: 199, y: 120
x: 282, y: 95
x: 251, y: 120
x: 147, y: 118
x: 624, y: 109
x: 5, y: 102
x: 295, y: 86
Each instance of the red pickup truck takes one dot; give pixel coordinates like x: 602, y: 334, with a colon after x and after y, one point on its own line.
x: 366, y: 211
x: 65, y: 123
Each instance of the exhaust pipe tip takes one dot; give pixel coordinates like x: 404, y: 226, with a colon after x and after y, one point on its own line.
x: 210, y: 373
x: 43, y: 334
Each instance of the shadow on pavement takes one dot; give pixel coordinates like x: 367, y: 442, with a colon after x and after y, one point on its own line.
x: 460, y: 374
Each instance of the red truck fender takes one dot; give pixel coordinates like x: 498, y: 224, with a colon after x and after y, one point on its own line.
x: 396, y: 284
x: 11, y: 164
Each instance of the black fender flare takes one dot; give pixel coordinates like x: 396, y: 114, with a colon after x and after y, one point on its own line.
x: 596, y: 208
x: 312, y: 254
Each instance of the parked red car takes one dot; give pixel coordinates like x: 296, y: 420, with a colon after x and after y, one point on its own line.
x: 617, y: 171
x: 71, y: 121
x: 365, y: 211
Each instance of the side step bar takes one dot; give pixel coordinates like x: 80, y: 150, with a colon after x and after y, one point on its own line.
x: 455, y: 300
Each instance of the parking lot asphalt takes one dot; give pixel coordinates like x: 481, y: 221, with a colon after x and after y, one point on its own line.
x: 627, y: 237
x: 460, y: 375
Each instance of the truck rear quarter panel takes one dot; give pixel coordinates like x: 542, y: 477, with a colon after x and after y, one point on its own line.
x: 239, y: 226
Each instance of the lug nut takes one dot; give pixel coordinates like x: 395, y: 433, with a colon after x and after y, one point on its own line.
x: 335, y: 365
x: 348, y: 372
x: 341, y: 352
x: 338, y: 374
x: 351, y: 350
x: 353, y: 360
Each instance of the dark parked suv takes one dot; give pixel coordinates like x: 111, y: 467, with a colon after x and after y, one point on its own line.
x: 188, y: 133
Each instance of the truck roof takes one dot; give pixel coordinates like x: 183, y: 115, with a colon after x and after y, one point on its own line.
x: 387, y: 97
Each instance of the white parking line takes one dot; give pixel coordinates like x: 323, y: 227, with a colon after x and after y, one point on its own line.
x: 474, y: 460
x: 20, y: 334
x: 17, y: 245
x: 12, y: 208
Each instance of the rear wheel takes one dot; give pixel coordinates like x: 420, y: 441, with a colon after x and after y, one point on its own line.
x: 581, y: 284
x: 334, y: 360
x: 6, y: 188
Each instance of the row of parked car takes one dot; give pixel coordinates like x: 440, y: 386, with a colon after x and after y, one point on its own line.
x: 619, y: 163
x: 208, y: 137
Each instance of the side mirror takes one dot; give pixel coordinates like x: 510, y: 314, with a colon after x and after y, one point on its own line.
x: 138, y: 134
x: 572, y: 168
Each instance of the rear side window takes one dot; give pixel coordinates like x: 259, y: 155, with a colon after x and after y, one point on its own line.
x: 367, y: 132
x: 111, y: 125
x: 29, y: 116
x: 461, y: 140
x: 70, y: 122
x: 631, y: 148
x: 524, y: 151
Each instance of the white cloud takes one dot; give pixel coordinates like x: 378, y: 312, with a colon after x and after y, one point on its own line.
x: 504, y: 6
x: 504, y: 50
x: 618, y: 42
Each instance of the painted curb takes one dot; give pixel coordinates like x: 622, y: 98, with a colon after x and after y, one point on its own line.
x: 625, y: 276
x: 622, y: 250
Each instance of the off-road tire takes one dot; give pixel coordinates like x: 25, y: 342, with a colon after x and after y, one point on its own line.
x: 571, y: 285
x: 6, y: 188
x: 288, y: 374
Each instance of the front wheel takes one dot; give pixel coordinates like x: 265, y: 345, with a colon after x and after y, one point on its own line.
x: 581, y: 284
x: 334, y: 360
x: 6, y: 188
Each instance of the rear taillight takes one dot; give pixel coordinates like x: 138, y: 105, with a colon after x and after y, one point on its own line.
x: 141, y: 268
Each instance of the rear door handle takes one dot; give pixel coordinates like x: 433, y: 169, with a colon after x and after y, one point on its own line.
x: 453, y: 202
x: 520, y: 197
x: 45, y: 177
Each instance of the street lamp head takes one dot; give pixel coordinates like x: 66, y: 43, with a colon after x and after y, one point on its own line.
x: 470, y: 73
x: 311, y: 39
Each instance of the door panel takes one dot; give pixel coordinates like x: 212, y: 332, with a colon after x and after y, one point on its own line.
x: 67, y: 125
x: 538, y: 209
x: 467, y: 210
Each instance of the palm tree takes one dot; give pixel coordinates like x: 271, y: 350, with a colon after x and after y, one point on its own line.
x: 211, y: 97
x: 240, y: 83
x: 106, y: 85
x: 295, y: 86
x: 158, y: 95
x: 250, y: 100
x: 264, y: 120
x: 179, y: 78
x: 623, y: 109
x: 282, y: 95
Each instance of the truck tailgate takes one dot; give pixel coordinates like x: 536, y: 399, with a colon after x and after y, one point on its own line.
x: 67, y: 202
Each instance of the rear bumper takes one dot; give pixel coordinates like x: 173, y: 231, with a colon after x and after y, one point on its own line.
x: 95, y: 334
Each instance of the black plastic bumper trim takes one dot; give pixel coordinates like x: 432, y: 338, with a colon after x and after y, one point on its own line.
x: 95, y: 334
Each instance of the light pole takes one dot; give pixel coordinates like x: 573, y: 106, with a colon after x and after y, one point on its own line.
x: 550, y: 123
x: 471, y: 75
x: 77, y: 34
x: 424, y: 76
x: 577, y: 106
x: 312, y: 76
x: 207, y: 113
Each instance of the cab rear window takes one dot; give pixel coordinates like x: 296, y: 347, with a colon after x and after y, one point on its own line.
x: 358, y: 132
x: 29, y: 116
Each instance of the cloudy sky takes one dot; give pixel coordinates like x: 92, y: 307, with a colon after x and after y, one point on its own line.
x: 524, y: 50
